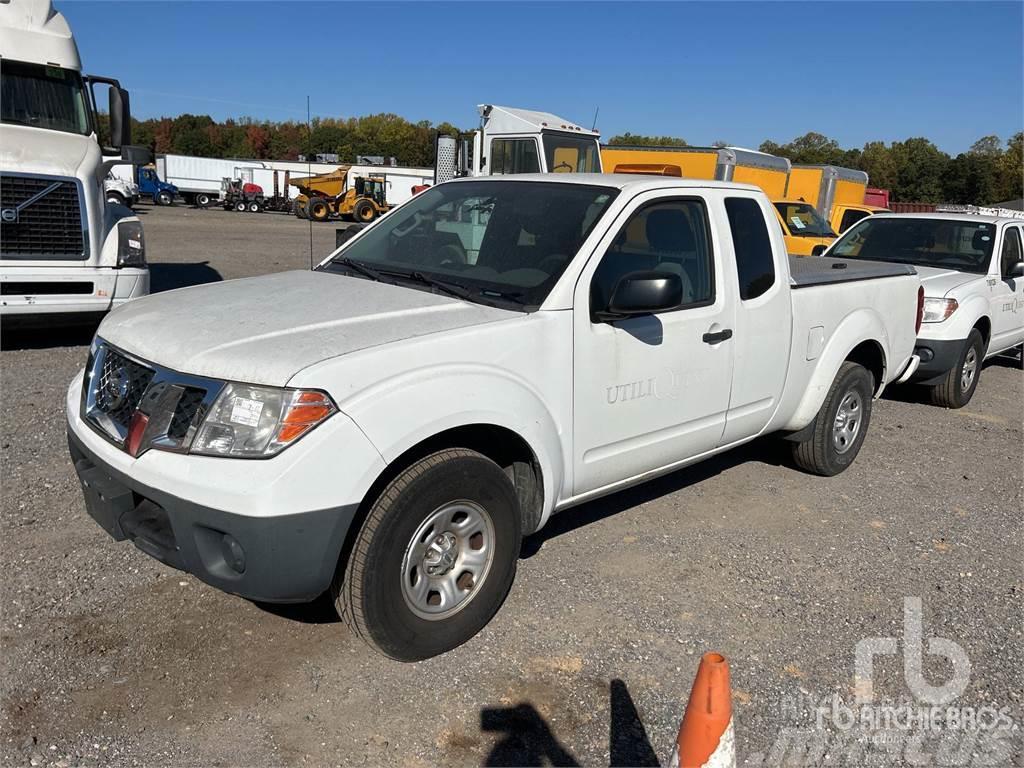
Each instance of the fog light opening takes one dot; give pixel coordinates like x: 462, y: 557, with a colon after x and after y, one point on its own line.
x: 233, y: 553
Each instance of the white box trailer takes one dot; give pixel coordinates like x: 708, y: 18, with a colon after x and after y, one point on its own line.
x: 199, y: 175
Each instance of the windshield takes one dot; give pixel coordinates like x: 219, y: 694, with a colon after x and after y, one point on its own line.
x: 944, y: 244
x: 43, y: 97
x: 571, y: 154
x: 803, y: 221
x: 492, y: 242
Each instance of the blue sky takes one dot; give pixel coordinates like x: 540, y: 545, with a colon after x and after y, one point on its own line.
x: 738, y: 72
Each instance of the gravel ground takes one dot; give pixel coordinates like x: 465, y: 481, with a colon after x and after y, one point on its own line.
x: 112, y: 658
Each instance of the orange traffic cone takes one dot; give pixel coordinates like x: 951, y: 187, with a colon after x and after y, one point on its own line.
x: 706, y: 738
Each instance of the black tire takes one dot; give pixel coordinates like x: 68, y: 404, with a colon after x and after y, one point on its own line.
x: 254, y: 207
x: 116, y: 198
x: 241, y: 206
x: 364, y: 211
x: 318, y: 210
x: 300, y: 209
x: 831, y: 449
x: 164, y: 198
x: 202, y: 200
x: 368, y: 589
x: 951, y: 392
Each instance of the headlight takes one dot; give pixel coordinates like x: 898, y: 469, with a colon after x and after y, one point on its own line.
x: 131, y: 246
x: 937, y: 310
x: 252, y: 421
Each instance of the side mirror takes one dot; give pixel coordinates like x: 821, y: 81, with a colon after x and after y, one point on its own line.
x: 643, y: 293
x: 1017, y: 270
x: 136, y: 155
x: 120, y: 117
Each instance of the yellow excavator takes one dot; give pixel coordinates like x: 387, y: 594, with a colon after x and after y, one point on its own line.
x: 330, y: 193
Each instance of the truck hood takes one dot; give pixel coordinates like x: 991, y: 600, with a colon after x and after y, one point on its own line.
x: 938, y: 282
x: 51, y: 153
x: 264, y: 330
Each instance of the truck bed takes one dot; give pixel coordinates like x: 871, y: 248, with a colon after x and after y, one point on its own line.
x: 805, y: 271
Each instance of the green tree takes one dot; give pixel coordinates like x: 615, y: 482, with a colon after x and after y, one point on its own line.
x: 635, y: 140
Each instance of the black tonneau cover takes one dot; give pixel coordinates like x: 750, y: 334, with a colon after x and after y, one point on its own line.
x: 805, y: 271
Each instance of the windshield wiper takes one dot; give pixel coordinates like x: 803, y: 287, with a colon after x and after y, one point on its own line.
x: 358, y: 266
x: 452, y: 289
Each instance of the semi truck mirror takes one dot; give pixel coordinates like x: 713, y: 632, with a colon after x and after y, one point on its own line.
x: 136, y: 155
x: 1016, y: 270
x: 120, y: 117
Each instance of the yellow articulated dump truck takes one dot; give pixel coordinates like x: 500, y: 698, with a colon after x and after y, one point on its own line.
x: 836, y: 193
x: 806, y: 233
x: 331, y: 194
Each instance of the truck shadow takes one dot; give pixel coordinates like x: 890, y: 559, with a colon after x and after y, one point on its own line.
x: 168, y: 276
x: 767, y: 450
x: 526, y: 738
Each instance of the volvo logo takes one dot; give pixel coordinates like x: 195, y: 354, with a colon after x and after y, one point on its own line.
x: 9, y: 215
x: 115, y: 388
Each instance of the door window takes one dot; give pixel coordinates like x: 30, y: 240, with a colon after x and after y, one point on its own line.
x: 755, y: 262
x: 667, y: 236
x: 850, y: 218
x: 1011, y: 250
x: 514, y: 156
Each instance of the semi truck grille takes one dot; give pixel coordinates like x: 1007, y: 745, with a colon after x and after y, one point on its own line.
x: 41, y: 219
x: 122, y: 396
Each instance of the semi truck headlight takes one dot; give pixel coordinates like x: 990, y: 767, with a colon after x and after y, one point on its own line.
x: 257, y: 422
x: 937, y: 310
x: 131, y: 245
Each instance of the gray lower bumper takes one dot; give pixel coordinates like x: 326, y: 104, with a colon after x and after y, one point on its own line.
x: 283, y: 559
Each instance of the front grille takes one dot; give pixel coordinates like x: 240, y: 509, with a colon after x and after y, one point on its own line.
x: 185, y: 412
x: 122, y: 384
x: 48, y: 228
x: 121, y: 393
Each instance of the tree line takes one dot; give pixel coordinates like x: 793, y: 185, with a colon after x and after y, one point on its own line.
x: 990, y: 171
x: 914, y: 170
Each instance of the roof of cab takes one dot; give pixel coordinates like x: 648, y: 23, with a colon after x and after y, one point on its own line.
x: 632, y: 181
x: 975, y: 217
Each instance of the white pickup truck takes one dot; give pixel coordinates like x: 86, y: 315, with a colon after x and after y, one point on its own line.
x: 972, y: 269
x: 491, y: 352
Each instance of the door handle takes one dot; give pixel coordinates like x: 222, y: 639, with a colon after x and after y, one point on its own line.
x: 715, y: 338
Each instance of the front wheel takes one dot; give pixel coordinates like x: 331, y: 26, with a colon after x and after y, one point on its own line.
x: 164, y: 198
x: 116, y: 198
x: 435, y: 557
x: 240, y: 206
x: 957, y: 387
x: 841, y: 423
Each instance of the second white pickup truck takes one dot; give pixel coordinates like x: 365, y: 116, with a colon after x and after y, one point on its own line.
x: 492, y: 352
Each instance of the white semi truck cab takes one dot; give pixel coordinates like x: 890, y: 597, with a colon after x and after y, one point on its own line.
x: 64, y: 250
x: 512, y: 140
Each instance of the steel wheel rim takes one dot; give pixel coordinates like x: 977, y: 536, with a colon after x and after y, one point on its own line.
x: 847, y: 423
x: 969, y: 370
x: 447, y: 560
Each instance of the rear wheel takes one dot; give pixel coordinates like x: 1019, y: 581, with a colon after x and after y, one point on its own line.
x: 318, y: 210
x: 841, y: 423
x: 240, y: 206
x: 364, y: 211
x: 435, y: 557
x: 202, y: 199
x: 957, y: 388
x: 254, y: 207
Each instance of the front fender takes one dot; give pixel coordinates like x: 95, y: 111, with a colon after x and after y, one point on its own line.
x: 401, y: 412
x: 863, y: 324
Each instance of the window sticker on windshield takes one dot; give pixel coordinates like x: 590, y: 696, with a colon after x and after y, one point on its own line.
x: 55, y: 72
x: 796, y: 222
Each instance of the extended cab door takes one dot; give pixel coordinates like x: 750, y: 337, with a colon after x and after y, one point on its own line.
x: 653, y: 390
x: 1006, y: 297
x: 764, y: 316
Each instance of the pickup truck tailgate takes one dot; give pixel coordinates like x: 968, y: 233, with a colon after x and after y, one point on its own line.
x: 806, y: 271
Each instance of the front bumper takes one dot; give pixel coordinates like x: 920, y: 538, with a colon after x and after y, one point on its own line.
x: 69, y: 290
x: 286, y: 558
x: 938, y: 357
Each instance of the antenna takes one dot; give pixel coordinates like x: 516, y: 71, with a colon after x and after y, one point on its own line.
x: 597, y: 111
x: 309, y: 170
